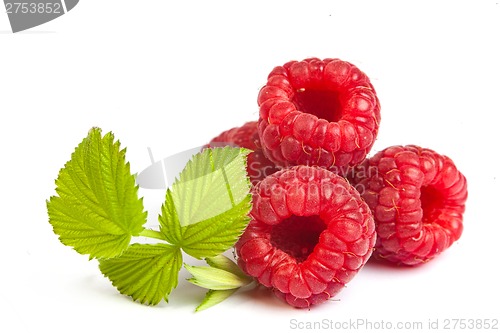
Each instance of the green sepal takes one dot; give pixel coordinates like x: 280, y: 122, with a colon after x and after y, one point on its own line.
x: 214, y: 297
x: 215, y: 278
x: 226, y: 264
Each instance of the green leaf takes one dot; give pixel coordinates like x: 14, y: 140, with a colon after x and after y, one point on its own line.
x: 97, y: 209
x: 226, y: 264
x: 212, y: 182
x: 207, y: 208
x: 169, y: 221
x: 214, y: 297
x: 217, y: 234
x: 146, y: 272
x: 215, y: 278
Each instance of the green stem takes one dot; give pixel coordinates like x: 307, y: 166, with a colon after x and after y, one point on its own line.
x: 152, y: 234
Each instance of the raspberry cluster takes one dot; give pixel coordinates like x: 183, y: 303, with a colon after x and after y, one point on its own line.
x: 321, y: 206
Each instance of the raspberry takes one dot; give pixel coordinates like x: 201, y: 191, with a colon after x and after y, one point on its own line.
x: 310, y: 233
x: 239, y: 136
x: 418, y: 199
x: 246, y: 136
x: 318, y: 112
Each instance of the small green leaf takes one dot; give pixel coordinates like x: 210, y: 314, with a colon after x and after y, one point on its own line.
x: 146, y: 272
x: 217, y: 234
x: 212, y: 182
x: 226, y: 264
x: 97, y: 209
x: 207, y: 208
x: 169, y: 221
x: 215, y: 278
x: 214, y: 297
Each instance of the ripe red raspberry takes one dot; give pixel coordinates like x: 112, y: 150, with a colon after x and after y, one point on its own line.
x: 418, y: 199
x: 246, y: 136
x: 318, y: 112
x: 310, y: 233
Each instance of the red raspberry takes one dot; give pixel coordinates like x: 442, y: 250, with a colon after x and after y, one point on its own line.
x: 418, y: 199
x: 246, y: 136
x: 318, y: 112
x: 310, y: 233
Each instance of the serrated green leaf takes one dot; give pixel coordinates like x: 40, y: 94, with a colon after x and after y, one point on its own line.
x: 214, y: 297
x: 145, y: 272
x: 207, y: 208
x: 212, y: 182
x: 217, y: 234
x: 226, y: 264
x: 214, y: 278
x: 97, y: 209
x: 169, y: 221
x: 209, y: 160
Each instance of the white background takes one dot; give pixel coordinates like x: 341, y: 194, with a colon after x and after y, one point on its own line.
x: 171, y: 76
